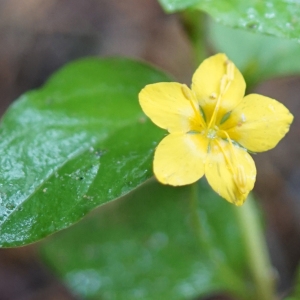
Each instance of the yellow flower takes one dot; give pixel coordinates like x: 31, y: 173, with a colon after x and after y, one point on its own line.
x: 211, y: 126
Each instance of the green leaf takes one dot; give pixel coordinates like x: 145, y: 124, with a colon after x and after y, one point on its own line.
x: 275, y: 17
x: 76, y: 143
x: 259, y: 57
x: 145, y: 246
x: 176, y: 5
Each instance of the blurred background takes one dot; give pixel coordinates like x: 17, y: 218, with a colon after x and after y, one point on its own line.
x: 37, y: 37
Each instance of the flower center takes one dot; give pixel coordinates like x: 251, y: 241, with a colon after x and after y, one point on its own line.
x: 211, y: 133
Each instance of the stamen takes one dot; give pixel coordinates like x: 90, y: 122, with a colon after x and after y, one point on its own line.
x: 225, y: 155
x: 240, y: 179
x: 230, y: 70
x: 228, y: 77
x: 223, y: 85
x: 189, y: 96
x: 237, y: 170
x: 226, y: 80
x: 186, y: 92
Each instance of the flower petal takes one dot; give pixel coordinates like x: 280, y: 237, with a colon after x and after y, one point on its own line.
x: 258, y: 123
x: 167, y: 106
x: 207, y: 85
x: 179, y: 159
x: 230, y: 171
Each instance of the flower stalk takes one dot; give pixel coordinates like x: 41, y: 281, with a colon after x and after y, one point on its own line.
x: 256, y: 250
x: 234, y: 283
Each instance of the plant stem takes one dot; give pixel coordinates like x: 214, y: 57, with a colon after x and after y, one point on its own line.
x: 256, y: 250
x: 194, y: 22
x: 230, y: 279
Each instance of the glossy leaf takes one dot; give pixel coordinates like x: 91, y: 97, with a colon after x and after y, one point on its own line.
x: 275, y: 17
x: 76, y: 143
x: 259, y: 57
x: 145, y: 246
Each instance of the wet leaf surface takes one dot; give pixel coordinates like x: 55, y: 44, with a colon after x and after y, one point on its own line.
x: 76, y: 143
x: 276, y: 17
x: 259, y: 57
